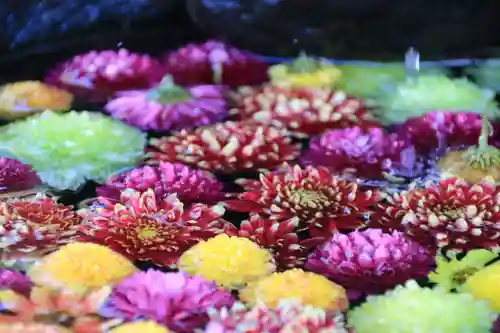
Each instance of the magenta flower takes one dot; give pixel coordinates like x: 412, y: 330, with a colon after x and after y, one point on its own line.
x: 16, y: 176
x: 16, y: 281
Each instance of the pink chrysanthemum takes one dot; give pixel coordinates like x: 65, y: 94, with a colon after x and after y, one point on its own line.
x: 143, y: 228
x: 16, y: 176
x: 369, y: 261
x: 15, y: 281
x: 176, y: 300
x: 169, y: 107
x: 227, y: 147
x: 215, y: 62
x: 98, y: 75
x: 367, y: 154
x: 191, y: 185
x: 303, y: 111
x: 452, y: 215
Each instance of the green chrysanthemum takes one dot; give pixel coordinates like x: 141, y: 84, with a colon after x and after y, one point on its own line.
x: 68, y: 149
x: 410, y: 309
x: 427, y: 93
x: 486, y: 74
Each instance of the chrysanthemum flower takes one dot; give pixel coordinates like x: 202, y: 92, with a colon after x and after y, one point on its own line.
x: 226, y: 147
x: 215, y: 62
x: 20, y: 327
x: 486, y: 74
x: 97, y: 75
x: 369, y: 261
x: 410, y: 308
x: 288, y: 316
x: 191, y: 185
x: 143, y: 228
x: 140, y: 326
x: 16, y: 176
x: 68, y: 149
x: 485, y: 285
x: 81, y: 267
x: 301, y: 110
x: 169, y: 107
x: 15, y: 281
x: 308, y: 288
x: 231, y: 262
x: 175, y: 300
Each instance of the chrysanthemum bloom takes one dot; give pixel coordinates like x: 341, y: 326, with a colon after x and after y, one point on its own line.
x: 369, y: 261
x: 15, y: 281
x: 140, y: 326
x: 169, y: 107
x: 289, y: 316
x: 175, y: 300
x: 308, y: 288
x: 22, y: 99
x: 451, y: 273
x: 230, y: 261
x: 304, y: 111
x: 81, y: 267
x: 16, y: 176
x: 21, y: 327
x: 319, y: 199
x: 144, y: 228
x: 97, y: 75
x: 191, y: 185
x: 485, y: 285
x: 215, y: 62
x: 486, y: 74
x: 226, y: 147
x: 451, y: 215
x: 68, y: 149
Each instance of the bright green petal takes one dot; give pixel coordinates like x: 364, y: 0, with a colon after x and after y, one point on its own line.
x: 478, y: 258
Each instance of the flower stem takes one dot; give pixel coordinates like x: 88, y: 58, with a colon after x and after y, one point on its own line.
x: 304, y: 64
x: 167, y: 92
x: 483, y: 156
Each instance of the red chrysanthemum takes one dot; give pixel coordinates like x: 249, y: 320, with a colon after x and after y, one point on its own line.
x: 452, y: 215
x: 215, y: 62
x: 146, y: 229
x: 97, y: 75
x: 304, y: 111
x: 16, y: 176
x: 226, y: 147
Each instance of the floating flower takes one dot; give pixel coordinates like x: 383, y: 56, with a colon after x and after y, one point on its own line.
x: 410, y: 308
x: 191, y: 185
x: 16, y: 176
x: 453, y: 273
x: 215, y: 62
x: 175, y: 300
x: 226, y: 147
x: 369, y: 261
x: 169, y: 107
x: 427, y: 93
x: 140, y: 326
x: 143, y: 228
x: 81, y: 267
x: 97, y: 75
x: 308, y: 288
x: 68, y: 149
x: 484, y: 285
x: 231, y: 262
x: 486, y: 74
x: 22, y: 99
x: 305, y: 72
x: 287, y: 316
x: 15, y: 281
x: 303, y: 111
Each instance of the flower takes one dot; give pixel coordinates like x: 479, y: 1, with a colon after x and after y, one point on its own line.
x: 366, y: 154
x: 20, y: 327
x: 22, y: 99
x: 304, y: 111
x: 486, y: 74
x: 231, y: 262
x: 81, y: 267
x: 16, y: 176
x: 453, y: 273
x: 308, y: 288
x: 97, y: 75
x: 169, y: 107
x: 451, y: 215
x: 191, y: 185
x: 140, y: 326
x: 68, y: 149
x: 175, y: 300
x: 15, y: 281
x: 287, y: 316
x: 215, y: 62
x: 305, y: 71
x: 227, y: 147
x: 483, y: 285
x: 427, y: 93
x: 370, y: 261
x: 410, y: 308
x: 143, y: 228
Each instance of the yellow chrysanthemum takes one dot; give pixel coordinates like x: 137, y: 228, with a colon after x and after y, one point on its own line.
x: 306, y: 287
x: 231, y: 262
x: 452, y: 274
x: 140, y: 326
x: 485, y: 285
x: 81, y: 267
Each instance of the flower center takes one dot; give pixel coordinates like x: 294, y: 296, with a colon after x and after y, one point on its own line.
x: 452, y: 213
x: 168, y: 93
x: 461, y: 276
x: 308, y: 198
x: 147, y: 233
x: 303, y: 64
